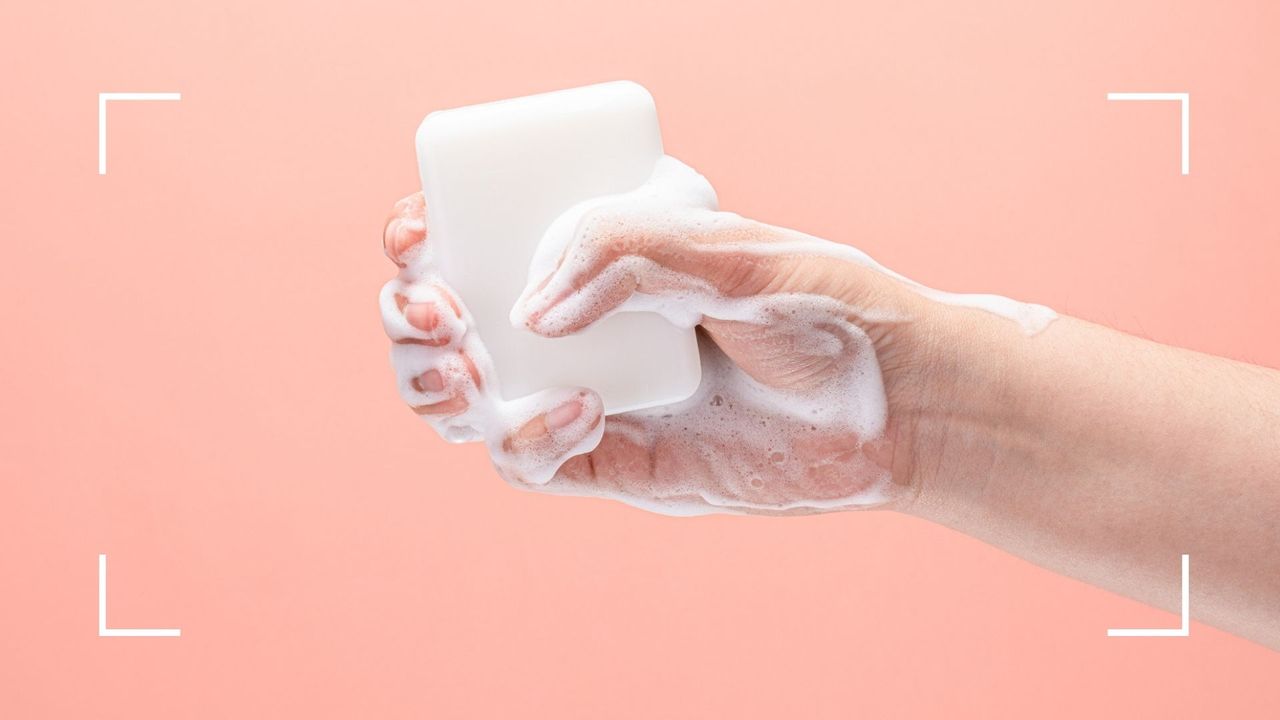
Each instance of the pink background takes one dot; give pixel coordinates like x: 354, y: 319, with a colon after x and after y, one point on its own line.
x: 196, y: 380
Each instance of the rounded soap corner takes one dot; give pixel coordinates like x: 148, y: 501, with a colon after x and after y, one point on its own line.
x: 634, y: 88
x: 425, y: 130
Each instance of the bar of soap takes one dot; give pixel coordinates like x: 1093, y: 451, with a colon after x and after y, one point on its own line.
x: 495, y: 176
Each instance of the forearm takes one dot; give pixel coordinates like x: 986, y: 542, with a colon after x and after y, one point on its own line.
x: 1106, y: 457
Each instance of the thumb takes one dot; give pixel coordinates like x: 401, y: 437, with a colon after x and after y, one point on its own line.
x: 595, y: 253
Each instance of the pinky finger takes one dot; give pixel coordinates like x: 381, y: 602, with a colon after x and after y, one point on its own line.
x: 444, y: 387
x: 448, y: 389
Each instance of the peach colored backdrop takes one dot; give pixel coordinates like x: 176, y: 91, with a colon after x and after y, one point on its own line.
x: 195, y: 379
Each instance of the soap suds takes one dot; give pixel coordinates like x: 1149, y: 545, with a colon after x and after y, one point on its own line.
x: 795, y: 425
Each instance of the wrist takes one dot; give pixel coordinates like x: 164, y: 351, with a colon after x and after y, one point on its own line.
x: 970, y: 410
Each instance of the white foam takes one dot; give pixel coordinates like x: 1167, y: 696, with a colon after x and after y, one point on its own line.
x: 793, y: 427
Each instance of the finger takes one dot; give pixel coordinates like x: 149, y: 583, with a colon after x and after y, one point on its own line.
x: 696, y: 256
x: 541, y: 427
x: 434, y: 381
x: 425, y: 314
x: 446, y: 389
x: 406, y: 229
x: 545, y: 430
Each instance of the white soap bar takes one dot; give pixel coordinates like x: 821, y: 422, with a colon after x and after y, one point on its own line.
x: 495, y: 176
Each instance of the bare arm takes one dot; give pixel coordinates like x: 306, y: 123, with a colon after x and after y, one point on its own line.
x: 1105, y: 457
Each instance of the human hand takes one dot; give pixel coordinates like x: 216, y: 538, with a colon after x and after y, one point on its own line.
x: 806, y: 348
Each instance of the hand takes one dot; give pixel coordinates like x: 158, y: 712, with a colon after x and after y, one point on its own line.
x: 830, y: 382
x: 807, y: 348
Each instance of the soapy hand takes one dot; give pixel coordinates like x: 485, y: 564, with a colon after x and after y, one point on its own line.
x: 830, y: 382
x: 804, y: 346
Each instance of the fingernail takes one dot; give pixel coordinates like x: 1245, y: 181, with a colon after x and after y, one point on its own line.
x: 429, y: 381
x: 407, y: 233
x: 565, y: 414
x: 422, y: 316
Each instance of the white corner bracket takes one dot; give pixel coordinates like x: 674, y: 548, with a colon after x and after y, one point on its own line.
x: 104, y: 631
x: 1183, y: 631
x: 1185, y: 99
x: 103, y: 99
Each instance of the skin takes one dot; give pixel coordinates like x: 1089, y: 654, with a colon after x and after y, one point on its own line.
x: 1084, y: 450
